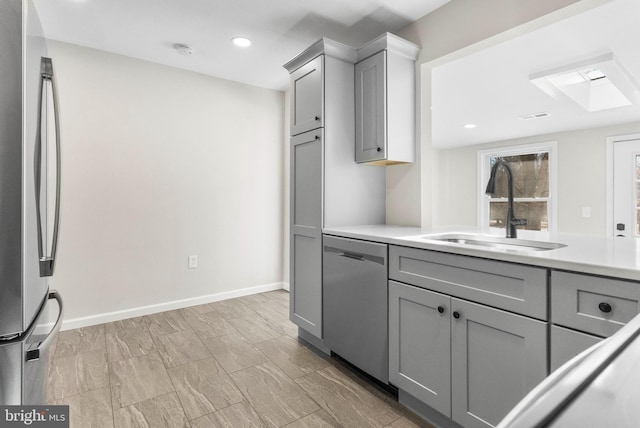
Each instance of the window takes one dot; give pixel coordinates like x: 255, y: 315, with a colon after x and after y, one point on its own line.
x: 534, y: 187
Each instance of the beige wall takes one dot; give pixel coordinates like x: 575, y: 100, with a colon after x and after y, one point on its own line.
x: 581, y: 179
x: 459, y: 27
x: 159, y: 164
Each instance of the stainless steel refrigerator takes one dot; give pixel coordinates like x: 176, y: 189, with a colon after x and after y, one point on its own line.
x: 29, y: 205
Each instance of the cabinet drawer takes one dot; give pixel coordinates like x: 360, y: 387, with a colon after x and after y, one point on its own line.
x: 513, y: 287
x: 592, y: 304
x: 566, y: 344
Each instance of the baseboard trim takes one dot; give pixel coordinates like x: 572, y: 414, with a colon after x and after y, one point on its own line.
x: 285, y: 286
x: 168, y: 306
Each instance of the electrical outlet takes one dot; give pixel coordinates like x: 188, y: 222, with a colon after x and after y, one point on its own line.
x: 193, y: 262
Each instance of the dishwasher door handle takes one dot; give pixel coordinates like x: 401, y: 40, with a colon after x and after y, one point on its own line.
x: 362, y: 257
x: 352, y: 256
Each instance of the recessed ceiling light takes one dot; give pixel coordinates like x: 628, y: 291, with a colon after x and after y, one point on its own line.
x: 470, y: 125
x: 183, y: 49
x: 243, y: 42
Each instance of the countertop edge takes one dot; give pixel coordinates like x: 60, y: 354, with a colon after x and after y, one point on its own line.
x: 560, y: 259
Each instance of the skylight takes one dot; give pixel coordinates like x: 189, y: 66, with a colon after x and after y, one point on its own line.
x: 596, y: 84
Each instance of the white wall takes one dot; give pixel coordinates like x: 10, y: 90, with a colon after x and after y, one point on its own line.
x: 460, y: 26
x: 581, y: 179
x: 158, y: 164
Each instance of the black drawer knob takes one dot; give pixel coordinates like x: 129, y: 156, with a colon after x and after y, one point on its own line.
x: 317, y: 117
x: 378, y: 149
x: 604, y: 307
x: 441, y: 309
x: 456, y: 314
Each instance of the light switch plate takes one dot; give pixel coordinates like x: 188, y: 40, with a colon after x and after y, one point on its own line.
x: 193, y: 262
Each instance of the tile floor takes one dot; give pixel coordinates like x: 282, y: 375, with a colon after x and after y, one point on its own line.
x: 235, y: 363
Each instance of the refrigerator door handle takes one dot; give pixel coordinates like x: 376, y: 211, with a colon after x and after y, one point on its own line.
x: 47, y: 253
x: 34, y: 354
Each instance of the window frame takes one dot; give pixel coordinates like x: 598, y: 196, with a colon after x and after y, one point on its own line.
x: 484, y: 169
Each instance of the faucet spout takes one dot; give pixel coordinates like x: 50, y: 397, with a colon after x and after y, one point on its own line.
x: 511, y: 221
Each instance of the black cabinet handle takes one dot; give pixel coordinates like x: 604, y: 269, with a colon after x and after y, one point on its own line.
x: 317, y: 117
x: 317, y: 137
x: 378, y: 149
x: 441, y: 309
x: 604, y: 307
x: 456, y: 314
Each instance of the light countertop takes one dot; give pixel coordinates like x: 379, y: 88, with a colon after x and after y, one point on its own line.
x: 612, y: 257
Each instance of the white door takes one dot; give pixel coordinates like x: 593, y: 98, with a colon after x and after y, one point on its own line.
x: 626, y: 188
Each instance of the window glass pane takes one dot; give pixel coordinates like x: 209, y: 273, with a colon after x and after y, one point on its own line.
x: 534, y: 212
x: 530, y: 175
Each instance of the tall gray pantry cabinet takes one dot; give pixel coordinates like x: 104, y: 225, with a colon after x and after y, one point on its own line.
x: 328, y: 188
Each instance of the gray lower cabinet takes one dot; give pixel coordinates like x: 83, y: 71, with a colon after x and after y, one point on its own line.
x: 496, y: 358
x: 468, y: 361
x: 587, y: 308
x: 306, y: 231
x: 567, y: 343
x: 593, y: 304
x: 420, y: 344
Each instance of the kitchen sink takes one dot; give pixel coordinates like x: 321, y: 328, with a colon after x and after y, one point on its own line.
x: 496, y: 242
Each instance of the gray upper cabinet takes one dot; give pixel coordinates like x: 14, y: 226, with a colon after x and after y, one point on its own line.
x: 371, y: 112
x: 307, y: 110
x: 327, y: 187
x: 385, y: 101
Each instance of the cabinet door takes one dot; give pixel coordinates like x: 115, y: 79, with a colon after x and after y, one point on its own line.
x: 307, y: 100
x: 419, y: 344
x: 306, y: 232
x: 497, y: 358
x: 371, y: 111
x: 566, y: 344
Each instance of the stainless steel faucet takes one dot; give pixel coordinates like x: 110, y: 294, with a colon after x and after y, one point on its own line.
x: 511, y: 221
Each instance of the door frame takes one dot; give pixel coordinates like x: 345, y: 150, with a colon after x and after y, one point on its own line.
x: 609, y: 177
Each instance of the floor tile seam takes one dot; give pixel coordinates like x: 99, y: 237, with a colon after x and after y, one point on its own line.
x: 244, y: 336
x: 223, y: 373
x: 148, y: 399
x: 113, y: 413
x: 246, y: 398
x: 154, y: 348
x: 127, y: 329
x: 210, y: 413
x: 304, y: 392
x: 138, y: 357
x: 66, y: 397
x: 75, y: 354
x: 190, y: 360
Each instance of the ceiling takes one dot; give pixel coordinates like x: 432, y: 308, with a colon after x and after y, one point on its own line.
x: 279, y: 29
x: 491, y: 88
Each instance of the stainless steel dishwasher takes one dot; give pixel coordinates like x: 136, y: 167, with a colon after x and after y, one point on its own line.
x: 354, y: 302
